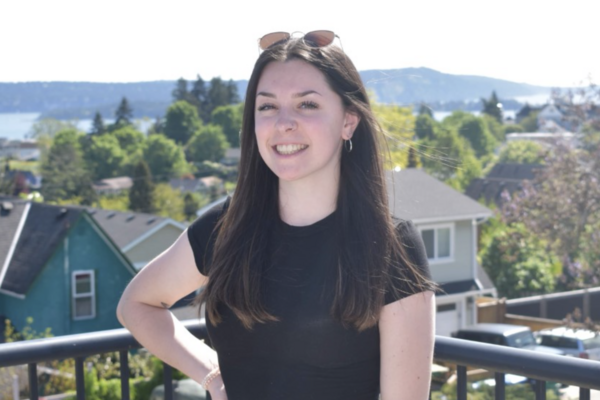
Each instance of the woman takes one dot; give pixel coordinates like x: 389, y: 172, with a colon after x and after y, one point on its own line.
x: 312, y: 291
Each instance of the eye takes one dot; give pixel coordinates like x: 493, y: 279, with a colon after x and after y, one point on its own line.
x: 265, y: 107
x: 310, y: 105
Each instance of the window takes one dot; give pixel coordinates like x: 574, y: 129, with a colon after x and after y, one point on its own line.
x: 83, y: 294
x: 438, y: 242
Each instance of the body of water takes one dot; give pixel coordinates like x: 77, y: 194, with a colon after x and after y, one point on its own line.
x: 18, y: 125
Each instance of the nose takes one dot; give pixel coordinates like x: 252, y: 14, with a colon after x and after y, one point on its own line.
x: 286, y: 122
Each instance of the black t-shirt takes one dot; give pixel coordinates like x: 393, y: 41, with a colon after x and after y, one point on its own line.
x: 305, y: 355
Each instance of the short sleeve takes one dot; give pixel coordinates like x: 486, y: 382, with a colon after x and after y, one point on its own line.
x: 202, y: 235
x: 405, y: 281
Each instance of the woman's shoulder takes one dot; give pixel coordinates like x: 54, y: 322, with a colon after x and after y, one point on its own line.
x: 202, y: 228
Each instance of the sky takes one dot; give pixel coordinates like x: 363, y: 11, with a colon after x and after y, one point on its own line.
x: 548, y: 43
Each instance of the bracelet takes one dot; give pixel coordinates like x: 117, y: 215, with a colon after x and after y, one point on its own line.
x: 209, y: 378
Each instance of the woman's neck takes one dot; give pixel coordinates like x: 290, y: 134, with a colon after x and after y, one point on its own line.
x: 303, y: 203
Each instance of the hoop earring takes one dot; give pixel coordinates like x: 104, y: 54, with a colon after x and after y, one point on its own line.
x: 348, y: 145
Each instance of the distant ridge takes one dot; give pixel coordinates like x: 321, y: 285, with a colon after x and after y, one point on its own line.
x: 404, y: 86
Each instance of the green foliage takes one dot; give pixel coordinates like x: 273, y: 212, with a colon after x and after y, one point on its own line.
x: 141, y: 194
x: 98, y: 126
x: 454, y: 120
x: 209, y: 168
x: 450, y: 158
x: 168, y: 202
x: 63, y: 171
x: 192, y: 202
x: 530, y: 123
x: 398, y: 124
x: 413, y: 158
x: 522, y: 391
x: 182, y: 122
x: 130, y: 139
x: 165, y: 159
x: 144, y: 388
x: 494, y: 127
x: 49, y: 127
x: 208, y: 144
x: 492, y: 107
x: 105, y: 157
x: 522, y: 152
x: 229, y: 118
x: 117, y: 202
x: 123, y: 114
x: 475, y: 131
x: 425, y: 127
x: 513, y: 128
x: 424, y: 109
x: 519, y: 263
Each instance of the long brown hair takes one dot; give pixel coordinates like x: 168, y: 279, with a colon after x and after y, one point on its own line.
x: 368, y: 244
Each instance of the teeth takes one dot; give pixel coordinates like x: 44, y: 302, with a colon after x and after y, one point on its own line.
x: 290, y: 148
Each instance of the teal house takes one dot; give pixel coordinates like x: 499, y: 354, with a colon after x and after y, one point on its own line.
x: 58, y: 267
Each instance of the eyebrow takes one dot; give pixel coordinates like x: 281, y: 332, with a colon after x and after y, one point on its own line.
x: 301, y: 94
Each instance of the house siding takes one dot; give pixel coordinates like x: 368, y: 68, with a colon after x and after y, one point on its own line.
x: 154, y: 245
x: 461, y: 267
x: 48, y: 300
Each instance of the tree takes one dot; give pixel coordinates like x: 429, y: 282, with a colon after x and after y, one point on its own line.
x: 413, y: 158
x: 398, y: 124
x: 208, y: 144
x: 522, y: 152
x: 425, y: 127
x: 424, y: 109
x: 562, y: 206
x: 229, y: 118
x: 518, y: 262
x: 165, y: 159
x: 105, y: 157
x: 63, y: 171
x: 168, y: 202
x: 130, y: 139
x: 98, y: 127
x: 494, y: 127
x: 530, y: 122
x: 449, y: 158
x: 141, y: 194
x: 124, y: 113
x: 476, y: 132
x: 201, y: 101
x: 181, y: 122
x: 492, y: 107
x: 48, y: 127
x: 191, y: 204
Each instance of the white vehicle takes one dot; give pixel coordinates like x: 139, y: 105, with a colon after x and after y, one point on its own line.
x: 581, y: 343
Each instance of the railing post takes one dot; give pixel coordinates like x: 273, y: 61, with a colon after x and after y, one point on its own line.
x: 499, y: 392
x: 124, y: 361
x: 584, y: 393
x: 168, y: 381
x: 540, y: 390
x: 461, y: 382
x: 33, y: 382
x: 79, y: 378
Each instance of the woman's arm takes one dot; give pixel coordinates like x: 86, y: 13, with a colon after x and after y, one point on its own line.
x: 407, y: 336
x: 143, y: 310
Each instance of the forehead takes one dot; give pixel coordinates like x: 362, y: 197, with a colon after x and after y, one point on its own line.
x: 291, y: 75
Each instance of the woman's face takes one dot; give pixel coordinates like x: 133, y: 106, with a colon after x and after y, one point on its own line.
x: 300, y: 123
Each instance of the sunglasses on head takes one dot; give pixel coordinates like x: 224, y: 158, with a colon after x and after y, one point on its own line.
x: 313, y: 39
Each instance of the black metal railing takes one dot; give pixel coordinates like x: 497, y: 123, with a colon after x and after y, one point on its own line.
x: 538, y: 366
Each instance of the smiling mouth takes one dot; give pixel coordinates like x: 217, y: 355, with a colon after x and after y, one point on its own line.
x: 290, y: 148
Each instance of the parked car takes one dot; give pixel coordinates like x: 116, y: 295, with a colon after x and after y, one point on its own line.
x: 517, y: 336
x: 582, y: 343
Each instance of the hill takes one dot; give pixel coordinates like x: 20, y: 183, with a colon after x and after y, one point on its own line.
x: 64, y: 100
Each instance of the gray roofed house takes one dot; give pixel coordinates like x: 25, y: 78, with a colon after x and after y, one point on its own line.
x: 140, y: 236
x: 448, y: 222
x: 113, y: 185
x: 503, y: 176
